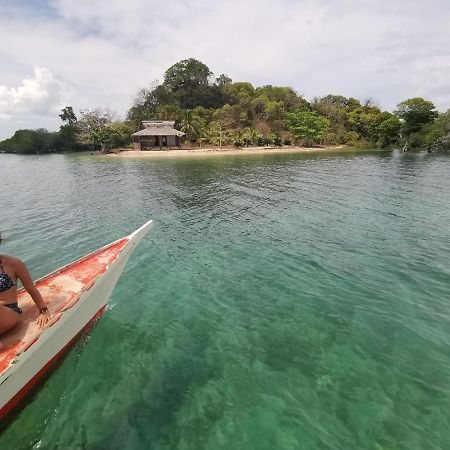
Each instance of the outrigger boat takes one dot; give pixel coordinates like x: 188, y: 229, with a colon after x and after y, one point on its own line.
x: 76, y: 296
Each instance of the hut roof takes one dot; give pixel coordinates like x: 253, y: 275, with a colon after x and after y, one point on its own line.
x: 157, y: 123
x: 159, y: 131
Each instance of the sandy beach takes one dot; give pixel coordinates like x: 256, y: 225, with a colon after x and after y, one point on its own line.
x: 216, y: 151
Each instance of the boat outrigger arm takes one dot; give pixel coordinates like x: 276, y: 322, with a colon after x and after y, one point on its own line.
x: 76, y: 296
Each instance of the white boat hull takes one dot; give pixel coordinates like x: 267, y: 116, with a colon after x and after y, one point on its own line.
x: 32, y: 362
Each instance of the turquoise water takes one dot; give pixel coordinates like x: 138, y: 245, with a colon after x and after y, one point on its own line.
x: 281, y: 301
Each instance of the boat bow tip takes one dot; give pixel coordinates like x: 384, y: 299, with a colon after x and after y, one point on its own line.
x: 141, y: 231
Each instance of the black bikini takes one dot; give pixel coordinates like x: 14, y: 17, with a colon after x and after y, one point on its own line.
x: 7, y: 283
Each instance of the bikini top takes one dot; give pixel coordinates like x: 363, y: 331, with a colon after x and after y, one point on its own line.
x: 5, y: 280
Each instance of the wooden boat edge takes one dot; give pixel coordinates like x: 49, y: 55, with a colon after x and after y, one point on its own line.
x: 137, y: 235
x: 11, y: 404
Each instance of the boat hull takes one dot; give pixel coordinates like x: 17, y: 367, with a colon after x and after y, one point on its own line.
x: 33, y: 361
x: 18, y: 398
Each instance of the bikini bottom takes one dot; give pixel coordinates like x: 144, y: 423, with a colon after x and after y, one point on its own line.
x: 14, y: 307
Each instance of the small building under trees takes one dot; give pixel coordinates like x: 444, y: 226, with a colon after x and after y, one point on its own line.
x: 157, y: 134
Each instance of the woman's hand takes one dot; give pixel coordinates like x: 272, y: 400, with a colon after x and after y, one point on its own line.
x: 43, y: 318
x: 23, y: 274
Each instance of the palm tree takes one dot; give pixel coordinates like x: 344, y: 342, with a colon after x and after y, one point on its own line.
x: 191, y: 124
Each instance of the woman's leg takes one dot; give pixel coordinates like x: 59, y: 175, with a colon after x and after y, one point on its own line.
x: 8, y: 318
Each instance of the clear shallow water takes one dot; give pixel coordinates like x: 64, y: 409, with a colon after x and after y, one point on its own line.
x: 281, y: 301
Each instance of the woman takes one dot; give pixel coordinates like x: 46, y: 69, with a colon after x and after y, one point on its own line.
x: 11, y: 270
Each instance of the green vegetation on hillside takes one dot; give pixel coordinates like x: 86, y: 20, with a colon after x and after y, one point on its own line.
x: 218, y: 111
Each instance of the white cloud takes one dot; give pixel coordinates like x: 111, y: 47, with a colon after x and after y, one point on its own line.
x: 39, y: 95
x: 382, y: 49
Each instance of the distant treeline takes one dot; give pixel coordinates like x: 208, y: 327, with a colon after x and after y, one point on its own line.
x: 95, y: 130
x: 218, y: 111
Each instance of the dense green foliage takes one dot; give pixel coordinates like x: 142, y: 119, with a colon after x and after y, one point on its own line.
x: 415, y: 113
x: 222, y: 112
x: 218, y: 111
x: 96, y: 130
x: 113, y: 135
x: 307, y: 126
x: 31, y: 141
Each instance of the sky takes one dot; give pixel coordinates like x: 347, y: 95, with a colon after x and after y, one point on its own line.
x: 93, y: 53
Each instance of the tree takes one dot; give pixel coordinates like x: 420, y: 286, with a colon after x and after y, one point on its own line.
x: 67, y: 115
x: 68, y: 132
x: 287, y: 95
x: 210, y: 97
x: 275, y: 115
x: 187, y: 84
x: 258, y: 105
x: 363, y: 120
x: 437, y: 134
x: 215, y: 134
x: 167, y: 112
x: 93, y: 120
x: 31, y: 141
x: 240, y: 92
x: 114, y: 135
x: 227, y: 116
x: 148, y: 102
x: 187, y: 80
x: 388, y: 130
x: 223, y: 79
x: 143, y: 107
x: 336, y: 108
x: 204, y: 113
x: 192, y: 125
x: 187, y: 73
x: 307, y: 126
x: 415, y: 113
x: 276, y: 139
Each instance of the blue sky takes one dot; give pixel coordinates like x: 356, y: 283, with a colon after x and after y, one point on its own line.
x: 91, y: 53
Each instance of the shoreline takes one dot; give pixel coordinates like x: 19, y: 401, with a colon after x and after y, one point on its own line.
x: 216, y: 151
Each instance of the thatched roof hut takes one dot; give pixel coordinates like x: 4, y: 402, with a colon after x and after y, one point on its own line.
x: 157, y: 133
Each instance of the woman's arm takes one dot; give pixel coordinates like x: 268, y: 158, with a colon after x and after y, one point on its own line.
x: 24, y: 275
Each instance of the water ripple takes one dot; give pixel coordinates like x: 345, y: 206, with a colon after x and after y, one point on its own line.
x: 287, y: 301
